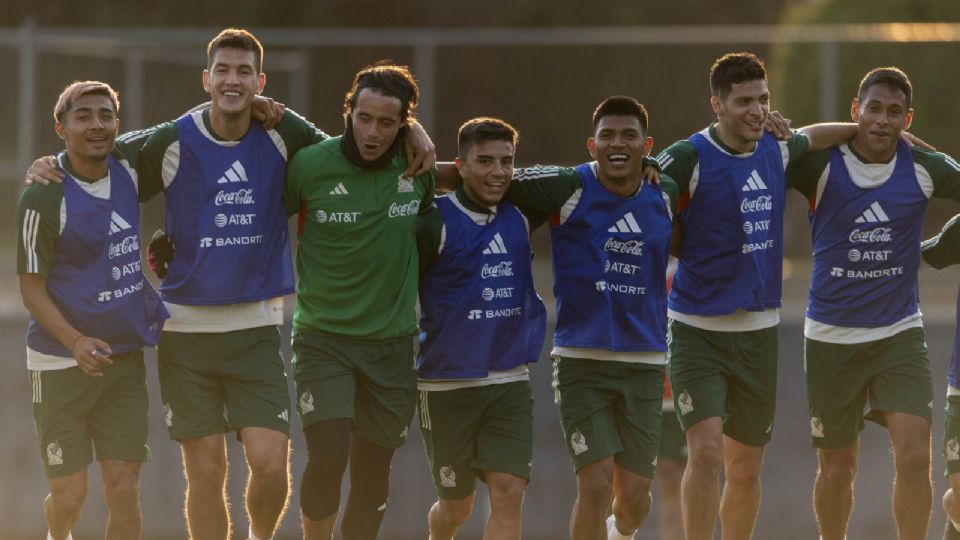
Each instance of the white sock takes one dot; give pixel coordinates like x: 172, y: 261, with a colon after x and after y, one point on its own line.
x: 613, y: 533
x: 250, y: 535
x: 50, y: 536
x: 954, y: 523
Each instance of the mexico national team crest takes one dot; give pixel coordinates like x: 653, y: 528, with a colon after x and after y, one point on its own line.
x: 448, y: 478
x: 685, y: 402
x: 816, y: 427
x: 578, y: 443
x: 952, y: 449
x: 54, y: 454
x: 404, y: 184
x: 306, y: 402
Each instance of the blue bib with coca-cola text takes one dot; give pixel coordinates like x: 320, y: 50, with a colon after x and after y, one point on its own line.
x: 95, y: 279
x: 481, y: 312
x: 731, y: 256
x: 609, y: 269
x: 866, y: 247
x: 226, y: 218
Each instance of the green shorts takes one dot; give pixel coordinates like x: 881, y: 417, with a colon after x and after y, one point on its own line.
x: 373, y: 383
x: 951, y: 435
x: 893, y: 374
x: 673, y: 443
x: 218, y: 382
x: 74, y: 413
x: 730, y: 375
x: 609, y: 408
x: 468, y: 431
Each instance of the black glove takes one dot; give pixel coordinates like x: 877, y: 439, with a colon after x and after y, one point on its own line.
x: 160, y: 253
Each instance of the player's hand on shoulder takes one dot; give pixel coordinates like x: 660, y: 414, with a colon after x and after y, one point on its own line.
x: 160, y: 252
x: 651, y: 170
x: 420, y: 151
x: 777, y: 125
x: 44, y: 171
x: 913, y: 140
x: 267, y: 111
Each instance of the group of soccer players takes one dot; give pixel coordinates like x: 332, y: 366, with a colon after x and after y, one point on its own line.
x: 374, y: 235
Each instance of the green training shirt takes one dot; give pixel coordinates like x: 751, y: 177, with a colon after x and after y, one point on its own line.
x: 357, y: 258
x: 545, y: 192
x: 943, y: 249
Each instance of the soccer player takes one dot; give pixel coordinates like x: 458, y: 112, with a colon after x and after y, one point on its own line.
x: 865, y: 343
x: 939, y: 252
x: 725, y: 297
x: 220, y: 363
x: 356, y: 296
x: 610, y: 234
x: 91, y: 314
x: 476, y: 404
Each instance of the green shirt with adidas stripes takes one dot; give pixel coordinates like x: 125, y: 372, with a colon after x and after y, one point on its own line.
x: 543, y: 190
x: 357, y: 258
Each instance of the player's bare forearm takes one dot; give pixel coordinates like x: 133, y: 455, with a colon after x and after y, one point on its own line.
x: 88, y: 351
x: 829, y: 134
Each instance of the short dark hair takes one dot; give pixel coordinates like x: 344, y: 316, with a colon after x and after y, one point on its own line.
x: 387, y: 79
x: 76, y: 90
x: 235, y: 38
x: 621, y: 106
x: 735, y: 68
x: 890, y: 76
x: 483, y: 129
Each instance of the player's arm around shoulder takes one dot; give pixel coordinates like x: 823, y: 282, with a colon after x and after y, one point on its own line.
x: 943, y: 249
x: 297, y: 132
x: 429, y: 231
x: 942, y: 171
x: 155, y: 155
x: 807, y: 171
x: 679, y: 161
x: 543, y: 188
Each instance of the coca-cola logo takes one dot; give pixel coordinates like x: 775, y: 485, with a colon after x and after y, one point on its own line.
x: 127, y: 245
x: 409, y: 209
x: 501, y: 269
x: 629, y: 247
x: 879, y: 234
x: 240, y: 196
x: 763, y: 203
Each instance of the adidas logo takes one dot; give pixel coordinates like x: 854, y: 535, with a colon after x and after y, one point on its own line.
x: 874, y: 214
x: 339, y: 190
x: 754, y: 182
x: 626, y: 224
x: 284, y: 415
x: 234, y: 173
x: 117, y: 223
x: 496, y: 246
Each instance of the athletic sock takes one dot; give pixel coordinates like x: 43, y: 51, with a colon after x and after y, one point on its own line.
x: 613, y: 533
x: 250, y: 535
x: 50, y: 536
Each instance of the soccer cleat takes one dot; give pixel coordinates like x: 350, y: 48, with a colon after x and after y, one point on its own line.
x: 613, y: 533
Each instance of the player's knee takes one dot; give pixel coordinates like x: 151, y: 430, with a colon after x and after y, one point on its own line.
x: 593, y: 488
x: 455, y: 513
x: 913, y: 460
x: 68, y: 503
x: 270, y: 472
x: 328, y: 449
x: 634, y: 496
x: 706, y: 456
x: 838, y: 468
x: 506, y: 493
x: 951, y: 504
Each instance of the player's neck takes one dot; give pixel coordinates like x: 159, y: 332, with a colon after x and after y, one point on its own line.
x: 230, y: 126
x: 868, y: 155
x: 737, y: 144
x: 92, y: 169
x: 621, y: 187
